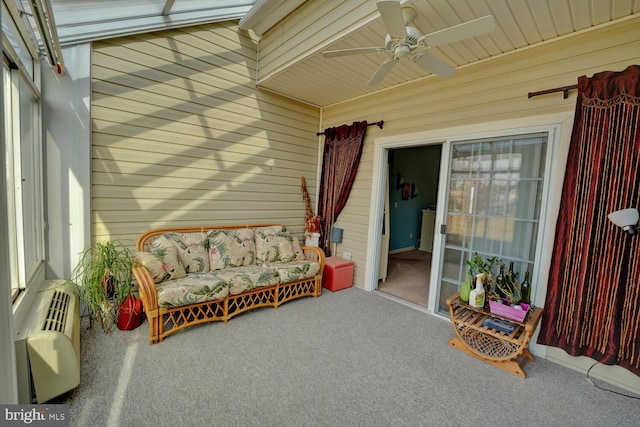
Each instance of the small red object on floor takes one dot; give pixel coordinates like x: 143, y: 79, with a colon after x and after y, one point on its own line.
x: 130, y: 316
x: 338, y: 273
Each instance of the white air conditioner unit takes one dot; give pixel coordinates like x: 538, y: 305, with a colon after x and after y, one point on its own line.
x: 48, y: 345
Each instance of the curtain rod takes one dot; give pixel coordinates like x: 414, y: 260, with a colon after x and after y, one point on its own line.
x: 379, y: 124
x: 564, y: 89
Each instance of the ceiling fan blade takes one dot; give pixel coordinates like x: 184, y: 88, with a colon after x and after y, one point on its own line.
x: 382, y: 71
x: 477, y: 27
x: 391, y: 14
x: 433, y: 65
x: 354, y: 51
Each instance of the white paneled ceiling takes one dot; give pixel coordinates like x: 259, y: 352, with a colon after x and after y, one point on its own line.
x: 80, y: 21
x: 324, y: 81
x: 519, y: 24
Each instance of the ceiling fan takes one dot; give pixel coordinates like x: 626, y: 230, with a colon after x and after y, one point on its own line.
x: 405, y: 40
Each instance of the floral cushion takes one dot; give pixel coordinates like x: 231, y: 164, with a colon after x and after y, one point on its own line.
x: 231, y: 248
x: 289, y: 248
x: 242, y: 279
x: 193, y: 249
x: 193, y: 288
x: 162, y: 262
x: 267, y: 247
x: 296, y: 270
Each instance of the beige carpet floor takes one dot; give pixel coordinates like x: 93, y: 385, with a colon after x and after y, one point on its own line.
x: 408, y: 276
x: 346, y: 359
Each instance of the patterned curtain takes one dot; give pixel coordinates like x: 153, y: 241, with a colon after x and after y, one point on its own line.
x: 593, y: 296
x: 342, y: 151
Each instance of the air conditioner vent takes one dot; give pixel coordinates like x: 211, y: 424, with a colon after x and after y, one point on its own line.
x: 56, y: 318
x: 48, y: 344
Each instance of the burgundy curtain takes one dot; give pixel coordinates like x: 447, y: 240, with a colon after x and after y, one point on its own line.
x: 342, y: 152
x: 593, y: 296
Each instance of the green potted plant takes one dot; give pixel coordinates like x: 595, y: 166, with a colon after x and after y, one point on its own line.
x: 103, y: 280
x: 477, y: 265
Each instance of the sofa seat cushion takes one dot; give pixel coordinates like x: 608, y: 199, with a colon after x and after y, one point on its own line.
x: 193, y: 288
x: 241, y: 279
x: 296, y: 270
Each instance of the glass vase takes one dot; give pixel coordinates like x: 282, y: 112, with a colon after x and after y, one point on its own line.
x: 465, y: 288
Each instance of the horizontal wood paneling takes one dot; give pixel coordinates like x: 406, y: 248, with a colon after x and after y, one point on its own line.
x: 490, y: 91
x: 182, y: 136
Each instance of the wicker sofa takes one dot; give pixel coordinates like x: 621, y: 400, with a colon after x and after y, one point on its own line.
x: 192, y: 275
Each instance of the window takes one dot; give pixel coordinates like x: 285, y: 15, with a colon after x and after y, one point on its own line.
x: 23, y: 162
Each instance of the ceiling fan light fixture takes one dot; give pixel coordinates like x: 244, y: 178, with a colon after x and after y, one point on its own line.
x: 402, y: 51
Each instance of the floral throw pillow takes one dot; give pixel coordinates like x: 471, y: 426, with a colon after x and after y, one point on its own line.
x: 267, y: 248
x: 162, y: 263
x: 289, y: 248
x: 231, y: 248
x: 193, y: 250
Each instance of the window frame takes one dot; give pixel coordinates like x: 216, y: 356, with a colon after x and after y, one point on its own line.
x: 23, y: 147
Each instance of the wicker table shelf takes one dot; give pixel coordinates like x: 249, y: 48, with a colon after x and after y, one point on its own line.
x: 507, y: 351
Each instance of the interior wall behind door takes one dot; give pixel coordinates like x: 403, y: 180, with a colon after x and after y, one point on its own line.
x: 417, y: 167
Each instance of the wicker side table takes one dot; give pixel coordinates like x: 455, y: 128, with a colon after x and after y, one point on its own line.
x: 507, y: 351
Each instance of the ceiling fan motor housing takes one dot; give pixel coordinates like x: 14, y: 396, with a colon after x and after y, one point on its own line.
x: 413, y: 36
x: 408, y: 15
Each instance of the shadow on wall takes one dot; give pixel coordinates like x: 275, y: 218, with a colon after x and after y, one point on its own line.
x: 181, y: 136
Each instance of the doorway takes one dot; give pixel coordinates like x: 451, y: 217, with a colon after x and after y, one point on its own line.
x: 556, y: 127
x: 409, y: 223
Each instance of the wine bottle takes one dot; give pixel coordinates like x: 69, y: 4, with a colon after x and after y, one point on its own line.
x: 510, y: 283
x: 525, y: 289
x: 500, y: 282
x: 512, y: 275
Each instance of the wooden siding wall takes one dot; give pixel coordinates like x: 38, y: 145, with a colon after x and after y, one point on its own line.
x: 181, y: 136
x: 491, y: 91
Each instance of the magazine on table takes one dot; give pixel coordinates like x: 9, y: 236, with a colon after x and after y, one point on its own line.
x: 499, y: 325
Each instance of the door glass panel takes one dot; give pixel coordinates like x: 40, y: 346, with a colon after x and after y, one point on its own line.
x: 452, y: 260
x: 493, y: 207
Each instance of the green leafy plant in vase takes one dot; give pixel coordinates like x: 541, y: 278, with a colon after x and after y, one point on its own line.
x: 103, y: 280
x: 477, y: 265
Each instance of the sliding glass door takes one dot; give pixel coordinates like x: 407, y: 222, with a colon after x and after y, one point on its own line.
x: 495, y: 189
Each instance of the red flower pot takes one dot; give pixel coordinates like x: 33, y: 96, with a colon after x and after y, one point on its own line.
x: 130, y: 316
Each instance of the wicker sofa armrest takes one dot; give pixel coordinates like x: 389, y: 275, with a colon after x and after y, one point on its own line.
x: 149, y: 296
x: 148, y: 291
x: 312, y: 253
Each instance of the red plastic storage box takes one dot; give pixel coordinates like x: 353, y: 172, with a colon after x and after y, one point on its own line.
x: 338, y: 273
